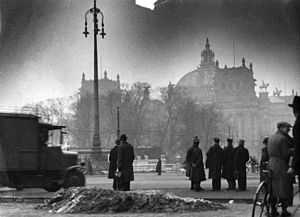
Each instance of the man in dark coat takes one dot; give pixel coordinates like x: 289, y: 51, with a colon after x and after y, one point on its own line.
x: 228, y: 164
x: 214, y: 162
x: 194, y: 158
x: 125, y: 163
x: 264, y: 160
x: 296, y: 135
x: 113, y: 157
x: 158, y: 167
x: 241, y: 156
x: 279, y: 153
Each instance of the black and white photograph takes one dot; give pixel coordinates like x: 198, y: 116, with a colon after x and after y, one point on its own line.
x: 150, y: 108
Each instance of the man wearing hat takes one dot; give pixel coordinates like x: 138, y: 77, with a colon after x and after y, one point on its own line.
x: 125, y: 163
x: 194, y: 159
x: 228, y: 164
x: 241, y: 157
x: 279, y: 156
x: 214, y: 162
x: 296, y: 134
x: 113, y: 156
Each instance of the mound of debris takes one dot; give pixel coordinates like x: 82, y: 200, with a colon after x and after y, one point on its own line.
x: 95, y: 200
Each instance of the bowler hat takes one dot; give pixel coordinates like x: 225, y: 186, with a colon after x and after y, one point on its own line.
x: 123, y: 137
x: 196, y: 139
x: 296, y: 102
x: 242, y: 141
x: 229, y: 140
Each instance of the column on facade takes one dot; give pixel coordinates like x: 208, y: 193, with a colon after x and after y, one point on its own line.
x: 239, y: 127
x: 242, y: 120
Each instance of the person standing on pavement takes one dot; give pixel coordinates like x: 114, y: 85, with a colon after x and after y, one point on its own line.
x: 282, y: 182
x: 125, y: 163
x: 194, y: 159
x: 228, y: 165
x: 264, y: 160
x: 241, y: 156
x: 158, y: 167
x: 214, y: 162
x: 113, y: 157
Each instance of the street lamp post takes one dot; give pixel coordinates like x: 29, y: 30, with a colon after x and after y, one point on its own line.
x: 118, y: 122
x: 95, y: 11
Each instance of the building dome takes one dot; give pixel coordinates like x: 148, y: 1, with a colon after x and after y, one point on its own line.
x: 199, y: 84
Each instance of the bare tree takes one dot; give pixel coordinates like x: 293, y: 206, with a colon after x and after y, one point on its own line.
x: 81, y: 126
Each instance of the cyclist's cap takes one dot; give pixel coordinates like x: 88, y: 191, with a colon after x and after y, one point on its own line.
x: 283, y: 124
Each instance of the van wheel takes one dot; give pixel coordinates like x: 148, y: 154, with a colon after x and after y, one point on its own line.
x: 52, y: 187
x: 74, y: 178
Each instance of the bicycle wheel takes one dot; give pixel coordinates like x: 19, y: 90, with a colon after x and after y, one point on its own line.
x: 296, y: 199
x: 260, y: 201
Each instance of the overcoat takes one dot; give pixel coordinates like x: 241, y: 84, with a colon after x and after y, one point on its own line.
x: 158, y: 167
x: 279, y: 154
x: 264, y: 158
x: 296, y: 138
x: 214, y: 161
x: 113, y: 157
x: 241, y: 156
x: 228, y: 163
x: 194, y: 158
x: 264, y: 162
x: 125, y: 161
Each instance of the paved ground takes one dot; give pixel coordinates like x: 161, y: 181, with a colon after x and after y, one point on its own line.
x: 176, y: 183
x: 27, y: 210
x: 153, y: 181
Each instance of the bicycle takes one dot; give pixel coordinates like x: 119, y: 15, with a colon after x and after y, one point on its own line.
x: 262, y: 198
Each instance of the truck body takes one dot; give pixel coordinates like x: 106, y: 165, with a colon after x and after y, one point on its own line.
x: 26, y: 159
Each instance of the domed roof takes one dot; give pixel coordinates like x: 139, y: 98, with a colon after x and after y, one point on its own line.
x: 203, y: 75
x: 191, y: 79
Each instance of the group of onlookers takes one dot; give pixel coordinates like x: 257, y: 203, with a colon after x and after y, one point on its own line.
x: 281, y: 156
x: 228, y: 163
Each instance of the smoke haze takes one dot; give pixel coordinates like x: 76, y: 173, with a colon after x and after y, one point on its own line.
x: 43, y: 52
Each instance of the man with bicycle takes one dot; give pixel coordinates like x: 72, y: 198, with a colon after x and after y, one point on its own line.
x: 279, y: 150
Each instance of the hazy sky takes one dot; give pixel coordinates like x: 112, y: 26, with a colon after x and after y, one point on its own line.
x: 43, y: 51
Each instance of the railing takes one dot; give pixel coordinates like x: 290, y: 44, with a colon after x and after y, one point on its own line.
x: 146, y: 166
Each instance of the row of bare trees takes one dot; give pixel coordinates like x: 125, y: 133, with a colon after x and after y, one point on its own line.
x: 170, y: 122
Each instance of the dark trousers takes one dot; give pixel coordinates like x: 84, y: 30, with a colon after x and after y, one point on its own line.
x: 216, y: 184
x: 242, y: 180
x: 125, y: 185
x: 284, y: 204
x: 231, y: 183
x: 116, y: 184
x: 195, y: 185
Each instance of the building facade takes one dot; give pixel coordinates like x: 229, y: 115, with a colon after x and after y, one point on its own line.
x: 105, y: 85
x: 232, y: 90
